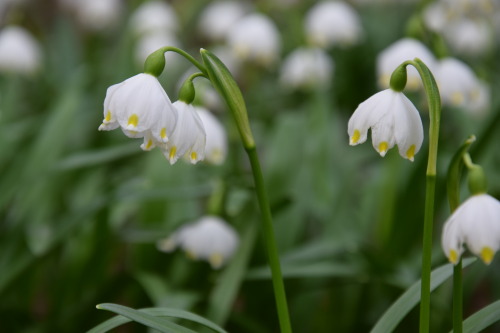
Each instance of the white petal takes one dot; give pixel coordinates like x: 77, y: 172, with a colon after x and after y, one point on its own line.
x: 408, y: 129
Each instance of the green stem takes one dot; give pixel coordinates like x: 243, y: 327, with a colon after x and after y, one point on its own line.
x: 434, y: 102
x: 272, y: 250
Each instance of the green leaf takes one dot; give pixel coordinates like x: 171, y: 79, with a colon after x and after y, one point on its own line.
x: 454, y: 171
x: 142, y: 317
x: 223, y: 81
x: 305, y: 270
x: 151, y: 312
x: 400, y: 308
x: 482, y: 318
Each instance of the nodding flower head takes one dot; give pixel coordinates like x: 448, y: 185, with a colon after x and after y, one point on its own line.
x: 142, y: 109
x: 476, y: 223
x: 393, y: 120
x: 210, y: 238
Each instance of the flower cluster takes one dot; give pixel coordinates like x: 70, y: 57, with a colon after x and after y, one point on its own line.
x: 210, y: 238
x: 142, y: 109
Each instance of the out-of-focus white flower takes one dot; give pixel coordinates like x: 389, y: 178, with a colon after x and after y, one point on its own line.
x: 154, y: 17
x: 307, y: 68
x: 216, y: 141
x: 19, y: 51
x: 393, y: 119
x: 218, y: 18
x: 480, y: 100
x: 471, y: 37
x: 457, y: 83
x: 255, y: 38
x: 210, y: 238
x: 96, y: 15
x: 435, y: 16
x: 397, y: 53
x: 188, y: 137
x: 142, y: 109
x: 331, y: 23
x: 149, y: 43
x: 476, y: 222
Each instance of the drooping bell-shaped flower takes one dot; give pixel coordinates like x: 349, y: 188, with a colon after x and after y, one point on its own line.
x: 476, y: 223
x: 307, y: 67
x: 210, y: 238
x: 188, y: 137
x: 142, y: 109
x: 332, y: 23
x: 19, y: 51
x: 216, y: 140
x: 255, y: 38
x: 393, y: 120
x: 404, y: 49
x: 457, y: 83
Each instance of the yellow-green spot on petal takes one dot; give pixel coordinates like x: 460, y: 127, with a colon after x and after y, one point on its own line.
x: 487, y: 254
x: 453, y: 256
x: 355, y: 137
x: 457, y: 98
x: 107, y: 119
x: 191, y: 255
x: 149, y: 144
x: 382, y: 148
x: 163, y: 133
x: 172, y: 152
x: 194, y: 156
x: 133, y: 120
x: 216, y: 260
x: 410, y: 153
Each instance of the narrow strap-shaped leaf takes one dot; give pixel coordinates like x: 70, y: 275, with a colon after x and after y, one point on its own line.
x: 157, y: 312
x: 483, y: 318
x: 160, y: 324
x: 400, y: 308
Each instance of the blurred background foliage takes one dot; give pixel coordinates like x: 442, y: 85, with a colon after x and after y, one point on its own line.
x: 81, y: 210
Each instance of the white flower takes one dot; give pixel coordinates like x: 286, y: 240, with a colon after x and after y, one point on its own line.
x: 331, y: 23
x: 476, y: 222
x: 255, y: 38
x: 188, y: 137
x: 19, y: 51
x: 209, y: 238
x: 471, y: 37
x: 216, y: 141
x: 393, y: 119
x: 140, y: 106
x: 218, y: 18
x: 397, y: 53
x: 154, y: 17
x: 458, y: 85
x: 97, y: 15
x: 307, y: 68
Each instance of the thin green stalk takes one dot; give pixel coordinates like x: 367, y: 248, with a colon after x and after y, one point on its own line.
x: 272, y: 249
x: 434, y: 102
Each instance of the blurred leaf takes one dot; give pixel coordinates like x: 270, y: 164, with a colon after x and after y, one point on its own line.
x: 222, y: 297
x: 149, y: 318
x: 306, y: 270
x: 482, y: 319
x: 400, y: 308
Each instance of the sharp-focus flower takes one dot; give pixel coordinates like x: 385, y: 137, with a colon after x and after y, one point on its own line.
x: 142, y: 109
x: 332, y: 23
x: 216, y: 141
x: 476, y: 223
x: 218, y: 18
x: 188, y: 137
x: 154, y: 17
x: 210, y: 238
x: 19, y: 51
x: 394, y: 55
x: 255, y: 38
x: 458, y: 84
x: 393, y: 119
x: 307, y: 68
